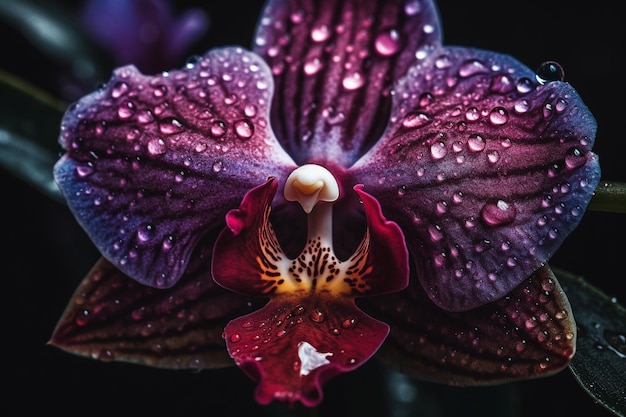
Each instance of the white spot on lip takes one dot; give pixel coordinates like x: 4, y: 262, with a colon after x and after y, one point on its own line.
x: 310, y: 358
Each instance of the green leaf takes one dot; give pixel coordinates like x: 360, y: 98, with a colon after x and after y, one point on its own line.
x: 29, y: 128
x: 599, y: 364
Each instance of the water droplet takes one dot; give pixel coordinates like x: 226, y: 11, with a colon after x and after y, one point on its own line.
x: 218, y: 129
x: 550, y: 71
x: 353, y: 81
x: 82, y: 317
x: 168, y: 243
x: 574, y: 158
x: 499, y: 213
x: 145, y: 232
x: 425, y: 99
x: 320, y: 33
x: 160, y: 91
x: 498, y: 116
x: 235, y: 337
x: 476, y: 143
x: 522, y: 106
x: 84, y: 170
x: 349, y: 323
x: 126, y: 110
x: 438, y: 150
x: 472, y: 114
x: 244, y: 129
x: 471, y: 67
x: 313, y: 66
x: 318, y: 315
x: 218, y: 166
x: 250, y: 110
x: 435, y: 232
x: 119, y: 89
x: 170, y: 126
x: 388, y: 43
x: 415, y: 119
x: 156, y: 146
x: 412, y: 7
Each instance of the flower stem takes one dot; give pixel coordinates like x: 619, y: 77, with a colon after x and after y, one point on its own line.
x: 609, y: 197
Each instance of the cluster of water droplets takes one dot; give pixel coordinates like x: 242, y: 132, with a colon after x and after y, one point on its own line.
x: 343, y: 49
x: 197, y: 119
x: 282, y: 324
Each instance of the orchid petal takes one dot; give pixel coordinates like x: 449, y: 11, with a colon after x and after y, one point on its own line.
x: 333, y: 67
x: 486, y: 170
x: 311, y: 329
x: 112, y: 317
x: 152, y: 163
x: 528, y: 333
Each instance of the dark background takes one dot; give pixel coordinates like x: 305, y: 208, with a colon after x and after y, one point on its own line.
x: 45, y: 253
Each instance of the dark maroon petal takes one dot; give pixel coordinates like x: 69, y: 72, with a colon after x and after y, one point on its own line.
x: 311, y: 329
x: 249, y: 259
x: 333, y: 63
x: 298, y: 341
x: 152, y: 163
x: 486, y: 171
x: 528, y: 333
x: 112, y: 317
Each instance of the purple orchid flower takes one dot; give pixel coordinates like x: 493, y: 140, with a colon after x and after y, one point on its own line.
x: 144, y: 32
x: 349, y: 159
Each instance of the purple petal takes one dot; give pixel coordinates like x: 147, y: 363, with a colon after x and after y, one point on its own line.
x: 486, y: 171
x: 153, y: 163
x: 528, y: 333
x: 112, y: 317
x: 333, y: 66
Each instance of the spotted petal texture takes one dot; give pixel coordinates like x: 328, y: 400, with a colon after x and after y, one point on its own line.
x: 526, y: 334
x: 486, y: 170
x: 334, y: 66
x: 152, y: 163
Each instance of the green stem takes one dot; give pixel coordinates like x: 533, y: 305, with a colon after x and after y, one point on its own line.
x: 609, y: 197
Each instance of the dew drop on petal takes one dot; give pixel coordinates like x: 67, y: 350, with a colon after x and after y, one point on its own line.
x: 217, y: 129
x: 498, y: 116
x: 550, y: 71
x: 476, y: 143
x: 119, y: 89
x: 244, y: 129
x: 574, y: 158
x: 388, y: 43
x: 170, y: 126
x: 438, y: 150
x: 145, y: 232
x: 471, y: 67
x: 84, y: 170
x: 126, y: 110
x: 498, y: 213
x: 320, y: 33
x: 353, y: 81
x: 156, y: 146
x: 415, y: 119
x: 317, y: 315
x: 312, y: 66
x: 412, y: 7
